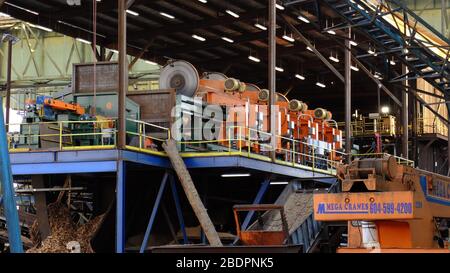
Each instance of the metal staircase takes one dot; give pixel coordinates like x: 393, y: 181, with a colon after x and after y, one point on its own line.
x: 397, y: 31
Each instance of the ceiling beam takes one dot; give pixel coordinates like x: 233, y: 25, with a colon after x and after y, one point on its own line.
x: 308, y: 43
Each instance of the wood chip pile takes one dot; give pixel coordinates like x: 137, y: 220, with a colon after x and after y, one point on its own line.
x: 63, y: 230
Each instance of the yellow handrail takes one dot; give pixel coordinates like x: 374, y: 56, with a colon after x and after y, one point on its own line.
x: 306, y: 157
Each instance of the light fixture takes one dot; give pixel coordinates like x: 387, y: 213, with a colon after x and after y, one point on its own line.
x: 114, y: 51
x: 228, y: 40
x: 310, y: 49
x: 261, y: 27
x: 132, y: 12
x: 353, y: 41
x: 80, y: 28
x: 319, y: 84
x: 167, y: 15
x: 300, y: 77
x: 235, y: 15
x: 256, y: 60
x: 392, y: 62
x: 278, y: 6
x: 370, y: 51
x: 334, y: 59
x: 304, y: 19
x: 354, y: 68
x: 279, y: 183
x: 288, y: 38
x: 235, y: 175
x: 385, y: 110
x: 378, y: 76
x: 150, y: 62
x: 41, y: 27
x: 200, y: 38
x: 203, y: 1
x: 24, y: 9
x: 83, y: 41
x: 279, y: 69
x: 330, y: 31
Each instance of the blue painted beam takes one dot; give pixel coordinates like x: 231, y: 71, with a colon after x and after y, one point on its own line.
x: 176, y: 198
x: 147, y: 159
x: 6, y: 180
x: 63, y: 168
x: 259, y: 196
x: 120, y: 206
x: 249, y: 163
x: 154, y: 211
x: 105, y: 161
x: 64, y: 156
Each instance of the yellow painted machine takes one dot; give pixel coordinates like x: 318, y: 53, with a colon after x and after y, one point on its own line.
x: 389, y: 207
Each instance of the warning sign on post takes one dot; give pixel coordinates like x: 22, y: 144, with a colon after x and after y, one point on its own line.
x: 364, y: 206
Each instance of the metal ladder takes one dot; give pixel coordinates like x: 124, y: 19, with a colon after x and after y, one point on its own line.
x: 423, y: 50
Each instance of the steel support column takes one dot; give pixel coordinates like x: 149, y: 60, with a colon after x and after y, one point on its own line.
x: 151, y: 221
x: 448, y: 139
x: 176, y: 198
x: 259, y: 196
x: 405, y: 113
x: 348, y: 97
x: 7, y: 189
x: 37, y: 182
x: 272, y: 73
x: 120, y: 207
x: 123, y: 71
x: 444, y: 17
x: 379, y: 99
x: 8, y: 83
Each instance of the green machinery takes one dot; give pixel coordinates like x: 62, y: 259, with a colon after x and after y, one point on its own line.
x: 41, y: 130
x: 106, y: 105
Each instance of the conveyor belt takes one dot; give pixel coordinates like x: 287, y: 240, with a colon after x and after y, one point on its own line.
x: 298, y: 207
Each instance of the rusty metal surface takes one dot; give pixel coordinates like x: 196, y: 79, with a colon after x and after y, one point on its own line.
x: 262, y: 238
x: 155, y: 105
x: 107, y: 77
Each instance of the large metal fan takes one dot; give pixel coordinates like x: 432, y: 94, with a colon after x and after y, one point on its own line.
x: 214, y: 76
x: 181, y: 76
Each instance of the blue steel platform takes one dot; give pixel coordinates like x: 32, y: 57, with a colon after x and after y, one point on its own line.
x: 95, y: 161
x: 112, y: 160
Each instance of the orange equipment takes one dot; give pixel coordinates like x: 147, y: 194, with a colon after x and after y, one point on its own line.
x: 389, y: 207
x: 252, y: 236
x: 249, y: 120
x: 63, y: 106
